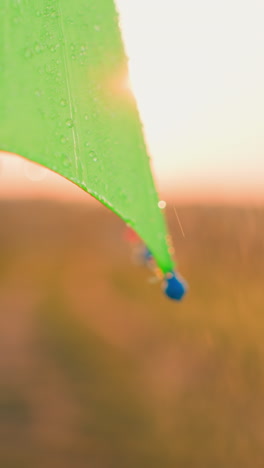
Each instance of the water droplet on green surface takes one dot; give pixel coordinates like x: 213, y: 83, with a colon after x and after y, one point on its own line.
x: 69, y: 123
x: 66, y: 163
x: 63, y: 140
x: 38, y: 48
x: 28, y: 53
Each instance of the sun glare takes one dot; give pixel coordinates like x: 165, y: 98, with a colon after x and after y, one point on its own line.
x: 197, y: 72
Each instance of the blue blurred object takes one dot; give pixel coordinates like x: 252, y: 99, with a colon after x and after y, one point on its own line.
x: 147, y: 255
x: 175, y: 286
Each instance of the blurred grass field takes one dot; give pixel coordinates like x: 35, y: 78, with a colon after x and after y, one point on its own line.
x: 98, y: 369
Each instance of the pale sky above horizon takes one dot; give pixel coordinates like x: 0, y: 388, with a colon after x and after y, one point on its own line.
x: 197, y: 70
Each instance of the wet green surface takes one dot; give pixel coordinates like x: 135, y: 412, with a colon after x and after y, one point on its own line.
x: 66, y: 104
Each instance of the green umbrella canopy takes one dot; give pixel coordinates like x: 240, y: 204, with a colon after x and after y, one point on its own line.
x: 64, y: 104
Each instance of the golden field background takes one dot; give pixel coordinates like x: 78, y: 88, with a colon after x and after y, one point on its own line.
x: 98, y: 369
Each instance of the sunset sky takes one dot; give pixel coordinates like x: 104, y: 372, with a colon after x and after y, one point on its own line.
x: 197, y: 70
